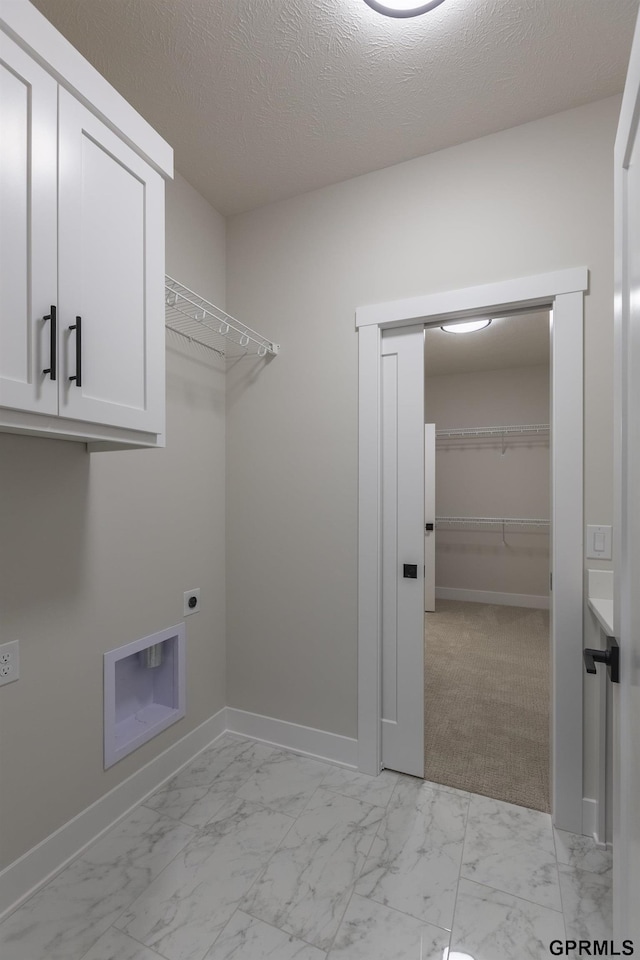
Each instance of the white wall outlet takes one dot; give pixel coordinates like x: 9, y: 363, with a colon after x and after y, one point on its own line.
x: 192, y: 601
x: 598, y: 542
x: 9, y: 662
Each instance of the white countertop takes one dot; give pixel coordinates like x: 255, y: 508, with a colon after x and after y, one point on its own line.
x: 603, y: 611
x: 600, y: 598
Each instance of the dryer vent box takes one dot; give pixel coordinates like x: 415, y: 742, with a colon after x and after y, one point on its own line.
x: 144, y: 691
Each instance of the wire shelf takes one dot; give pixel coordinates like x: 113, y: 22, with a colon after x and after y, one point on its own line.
x: 501, y: 523
x: 460, y: 433
x: 199, y: 321
x: 493, y: 521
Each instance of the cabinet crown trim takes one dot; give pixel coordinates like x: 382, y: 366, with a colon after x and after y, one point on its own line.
x: 33, y: 32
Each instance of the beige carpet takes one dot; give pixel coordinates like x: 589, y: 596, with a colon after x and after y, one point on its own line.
x: 487, y: 700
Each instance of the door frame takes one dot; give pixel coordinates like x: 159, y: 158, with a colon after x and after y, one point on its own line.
x: 625, y: 402
x: 562, y: 292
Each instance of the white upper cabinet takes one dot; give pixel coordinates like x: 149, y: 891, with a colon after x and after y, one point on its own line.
x: 28, y: 232
x: 110, y: 275
x: 81, y: 247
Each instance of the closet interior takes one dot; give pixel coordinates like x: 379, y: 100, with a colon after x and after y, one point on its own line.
x: 487, y: 549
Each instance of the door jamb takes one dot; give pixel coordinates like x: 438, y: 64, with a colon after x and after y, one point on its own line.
x: 624, y: 404
x: 562, y: 292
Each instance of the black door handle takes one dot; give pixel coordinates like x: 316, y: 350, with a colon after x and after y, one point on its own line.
x: 610, y: 656
x: 410, y: 571
x: 77, y: 326
x: 53, y: 341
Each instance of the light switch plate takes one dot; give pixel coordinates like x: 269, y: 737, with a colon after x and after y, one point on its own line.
x: 599, y: 542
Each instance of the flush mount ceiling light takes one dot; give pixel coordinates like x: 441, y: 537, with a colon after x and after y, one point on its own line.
x: 469, y: 326
x: 402, y: 8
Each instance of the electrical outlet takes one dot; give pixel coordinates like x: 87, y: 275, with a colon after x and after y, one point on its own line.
x: 192, y: 601
x: 9, y: 662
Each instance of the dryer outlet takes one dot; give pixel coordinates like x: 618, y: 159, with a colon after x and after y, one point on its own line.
x: 192, y: 601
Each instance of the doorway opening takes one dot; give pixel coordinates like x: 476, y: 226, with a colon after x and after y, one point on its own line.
x: 385, y: 329
x: 487, y: 696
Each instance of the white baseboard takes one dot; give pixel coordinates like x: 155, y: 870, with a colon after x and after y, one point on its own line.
x: 489, y: 596
x: 589, y: 817
x: 21, y: 878
x: 304, y: 740
x: 590, y: 821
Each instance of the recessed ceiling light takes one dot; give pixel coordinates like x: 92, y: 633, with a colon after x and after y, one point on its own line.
x: 469, y: 326
x: 402, y: 8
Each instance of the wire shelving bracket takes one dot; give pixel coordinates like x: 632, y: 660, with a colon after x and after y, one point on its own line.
x: 198, y: 320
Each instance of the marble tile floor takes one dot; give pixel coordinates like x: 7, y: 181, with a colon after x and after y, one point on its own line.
x: 254, y: 853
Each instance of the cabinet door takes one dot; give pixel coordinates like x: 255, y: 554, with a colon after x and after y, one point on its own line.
x: 28, y: 241
x: 111, y: 275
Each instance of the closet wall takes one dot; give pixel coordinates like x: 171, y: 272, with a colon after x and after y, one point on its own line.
x: 96, y: 550
x: 486, y: 478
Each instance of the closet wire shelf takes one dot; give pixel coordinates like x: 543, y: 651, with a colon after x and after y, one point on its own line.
x: 502, y: 523
x: 506, y: 431
x: 492, y: 521
x: 200, y: 321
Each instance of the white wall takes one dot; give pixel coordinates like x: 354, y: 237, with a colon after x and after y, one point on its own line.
x: 475, y: 478
x: 96, y: 551
x: 524, y: 201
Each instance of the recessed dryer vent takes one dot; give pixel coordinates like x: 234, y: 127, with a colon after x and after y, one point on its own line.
x: 144, y: 691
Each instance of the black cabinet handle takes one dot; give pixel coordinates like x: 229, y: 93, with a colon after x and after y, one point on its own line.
x: 77, y: 326
x: 53, y: 342
x: 610, y: 656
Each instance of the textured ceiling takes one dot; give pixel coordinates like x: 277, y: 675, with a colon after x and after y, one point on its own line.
x: 266, y: 99
x: 521, y: 341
